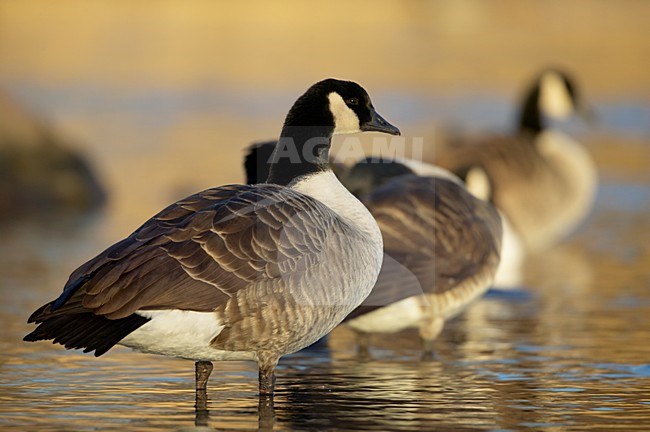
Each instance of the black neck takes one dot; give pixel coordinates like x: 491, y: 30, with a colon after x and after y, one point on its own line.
x: 300, y: 151
x: 303, y: 147
x: 530, y: 118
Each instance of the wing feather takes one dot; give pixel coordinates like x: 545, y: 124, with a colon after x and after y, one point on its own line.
x: 435, y: 235
x: 199, y: 252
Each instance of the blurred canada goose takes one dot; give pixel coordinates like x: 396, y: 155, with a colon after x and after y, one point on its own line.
x: 237, y: 272
x: 442, y: 247
x: 441, y: 244
x: 541, y: 179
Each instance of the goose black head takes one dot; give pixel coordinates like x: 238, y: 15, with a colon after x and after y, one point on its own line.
x: 257, y: 161
x: 337, y: 107
x: 328, y: 107
x: 554, y: 94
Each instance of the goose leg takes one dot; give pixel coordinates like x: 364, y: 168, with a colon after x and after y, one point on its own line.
x: 201, y: 413
x: 427, y: 350
x: 363, y: 346
x: 203, y: 370
x: 266, y: 413
x: 267, y: 363
x: 429, y: 331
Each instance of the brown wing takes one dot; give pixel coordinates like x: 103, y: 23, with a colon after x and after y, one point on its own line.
x: 512, y: 165
x: 199, y: 252
x: 533, y: 189
x: 435, y: 232
x: 505, y: 159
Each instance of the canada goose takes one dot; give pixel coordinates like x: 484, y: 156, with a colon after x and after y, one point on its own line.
x: 541, y: 179
x: 237, y: 272
x: 434, y: 229
x: 441, y: 244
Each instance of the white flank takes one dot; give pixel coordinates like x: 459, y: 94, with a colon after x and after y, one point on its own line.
x: 555, y: 100
x: 509, y: 272
x: 183, y: 334
x: 392, y: 318
x: 345, y: 120
x: 427, y: 170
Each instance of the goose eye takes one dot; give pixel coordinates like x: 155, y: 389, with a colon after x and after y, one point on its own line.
x: 352, y: 101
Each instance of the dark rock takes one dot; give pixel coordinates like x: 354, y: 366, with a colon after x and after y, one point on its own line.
x: 40, y: 175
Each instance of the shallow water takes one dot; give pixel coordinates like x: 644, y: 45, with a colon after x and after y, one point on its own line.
x: 569, y: 351
x: 151, y: 94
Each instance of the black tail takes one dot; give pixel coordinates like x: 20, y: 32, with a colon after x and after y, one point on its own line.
x: 86, y: 330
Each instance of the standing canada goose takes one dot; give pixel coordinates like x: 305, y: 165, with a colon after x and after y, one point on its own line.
x: 237, y: 272
x: 543, y: 181
x: 442, y: 248
x: 441, y: 244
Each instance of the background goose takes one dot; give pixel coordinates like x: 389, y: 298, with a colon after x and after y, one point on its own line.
x: 441, y: 244
x: 541, y: 179
x: 237, y: 272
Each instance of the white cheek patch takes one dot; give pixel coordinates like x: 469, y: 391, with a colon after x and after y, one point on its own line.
x: 555, y: 100
x: 345, y: 120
